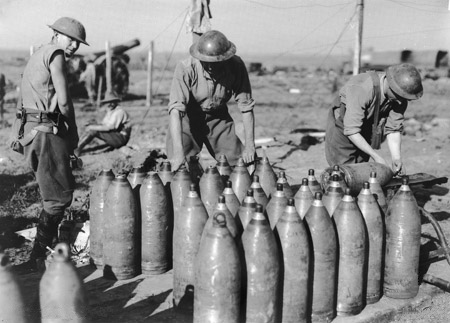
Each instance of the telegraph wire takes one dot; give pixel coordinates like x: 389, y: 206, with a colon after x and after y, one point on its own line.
x: 402, y: 4
x: 297, y: 6
x: 339, y: 38
x: 167, y: 62
x: 309, y: 34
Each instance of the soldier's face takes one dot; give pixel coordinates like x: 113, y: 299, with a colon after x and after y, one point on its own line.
x: 70, y: 45
x: 213, y: 68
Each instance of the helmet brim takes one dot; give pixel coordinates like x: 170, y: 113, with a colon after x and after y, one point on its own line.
x: 73, y: 37
x: 397, y: 89
x: 193, y: 50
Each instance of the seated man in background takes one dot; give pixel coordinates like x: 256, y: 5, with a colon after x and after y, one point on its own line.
x: 114, y: 129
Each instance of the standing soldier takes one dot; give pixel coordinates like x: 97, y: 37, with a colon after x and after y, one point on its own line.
x: 370, y: 104
x: 48, y: 131
x: 201, y: 87
x: 2, y: 96
x: 89, y: 77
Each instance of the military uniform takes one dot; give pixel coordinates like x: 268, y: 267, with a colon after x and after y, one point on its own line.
x: 48, y: 144
x: 202, y: 101
x: 353, y: 113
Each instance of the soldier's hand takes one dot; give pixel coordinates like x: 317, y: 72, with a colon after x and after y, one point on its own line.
x: 397, y: 167
x: 248, y: 155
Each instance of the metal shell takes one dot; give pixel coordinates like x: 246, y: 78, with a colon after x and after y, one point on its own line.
x: 375, y: 233
x: 286, y: 187
x: 224, y: 168
x: 267, y: 177
x: 12, y: 306
x: 97, y: 216
x: 276, y: 206
x: 323, y: 241
x: 303, y: 198
x: 211, y: 187
x: 231, y: 199
x: 403, y: 230
x: 378, y: 192
x: 217, y: 276
x: 246, y: 210
x: 119, y: 245
x: 258, y: 192
x: 187, y: 234
x: 179, y: 188
x: 356, y: 174
x: 155, y: 226
x: 262, y: 270
x: 294, y: 244
x: 240, y: 179
x: 222, y: 208
x: 353, y: 251
x: 333, y: 195
x: 62, y: 296
x: 313, y: 184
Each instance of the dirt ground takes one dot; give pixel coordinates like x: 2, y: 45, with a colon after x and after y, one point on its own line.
x: 287, y: 120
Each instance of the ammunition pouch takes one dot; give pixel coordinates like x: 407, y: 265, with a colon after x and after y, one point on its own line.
x: 377, y: 134
x: 47, y: 122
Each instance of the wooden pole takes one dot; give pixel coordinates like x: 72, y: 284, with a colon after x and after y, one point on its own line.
x: 108, y: 67
x: 358, y: 39
x: 148, y: 102
x: 99, y: 95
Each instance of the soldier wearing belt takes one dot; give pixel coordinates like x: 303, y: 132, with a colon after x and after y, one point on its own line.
x: 48, y: 132
x: 114, y: 129
x: 201, y: 87
x: 369, y: 107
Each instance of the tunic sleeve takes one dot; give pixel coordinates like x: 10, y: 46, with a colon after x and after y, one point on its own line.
x: 243, y: 90
x: 180, y: 89
x: 357, y: 104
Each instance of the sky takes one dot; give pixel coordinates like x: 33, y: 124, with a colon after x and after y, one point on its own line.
x: 275, y: 27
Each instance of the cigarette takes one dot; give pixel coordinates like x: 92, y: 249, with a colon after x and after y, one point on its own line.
x: 50, y: 249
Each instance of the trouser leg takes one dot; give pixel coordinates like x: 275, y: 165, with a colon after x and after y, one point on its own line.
x: 47, y: 230
x: 86, y: 139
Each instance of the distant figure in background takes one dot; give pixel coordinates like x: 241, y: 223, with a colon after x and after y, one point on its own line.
x: 371, y: 106
x: 201, y: 87
x: 114, y: 129
x: 88, y: 76
x: 47, y: 129
x: 2, y: 94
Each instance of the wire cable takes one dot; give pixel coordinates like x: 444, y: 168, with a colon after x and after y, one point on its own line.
x: 309, y: 34
x: 339, y: 38
x: 298, y: 6
x: 167, y: 64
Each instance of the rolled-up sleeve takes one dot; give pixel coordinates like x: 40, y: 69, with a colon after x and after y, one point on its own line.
x: 242, y: 89
x: 355, y: 113
x: 394, y: 121
x: 179, y: 90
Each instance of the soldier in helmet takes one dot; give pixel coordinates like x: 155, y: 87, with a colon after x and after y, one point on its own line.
x: 371, y: 106
x: 201, y: 87
x: 47, y: 131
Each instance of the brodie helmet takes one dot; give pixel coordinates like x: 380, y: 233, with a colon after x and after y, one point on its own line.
x: 405, y: 81
x: 213, y: 46
x: 70, y: 27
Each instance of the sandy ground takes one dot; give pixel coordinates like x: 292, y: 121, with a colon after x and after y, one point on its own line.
x: 278, y: 113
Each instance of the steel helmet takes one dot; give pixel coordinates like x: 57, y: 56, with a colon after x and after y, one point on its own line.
x: 405, y: 81
x: 70, y: 27
x: 213, y: 46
